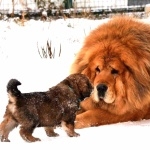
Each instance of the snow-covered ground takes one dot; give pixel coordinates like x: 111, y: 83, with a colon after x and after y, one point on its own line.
x: 19, y: 58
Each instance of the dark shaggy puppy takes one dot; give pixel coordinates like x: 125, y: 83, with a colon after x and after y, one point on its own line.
x: 47, y: 109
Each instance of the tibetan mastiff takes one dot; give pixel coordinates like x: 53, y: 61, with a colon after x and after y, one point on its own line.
x: 116, y: 58
x: 47, y: 109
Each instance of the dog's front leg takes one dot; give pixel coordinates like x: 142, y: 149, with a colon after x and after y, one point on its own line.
x: 7, y: 125
x: 26, y: 134
x: 69, y: 129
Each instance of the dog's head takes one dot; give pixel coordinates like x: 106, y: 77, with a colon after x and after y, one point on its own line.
x: 80, y: 84
x: 109, y: 77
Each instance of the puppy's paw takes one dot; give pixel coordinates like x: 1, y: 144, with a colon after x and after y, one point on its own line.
x: 28, y: 138
x: 74, y: 134
x: 52, y: 134
x: 32, y: 139
x: 3, y: 139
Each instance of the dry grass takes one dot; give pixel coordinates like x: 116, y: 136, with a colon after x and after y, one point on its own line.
x: 47, y: 52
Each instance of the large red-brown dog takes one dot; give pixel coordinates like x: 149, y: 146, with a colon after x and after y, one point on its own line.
x: 116, y: 58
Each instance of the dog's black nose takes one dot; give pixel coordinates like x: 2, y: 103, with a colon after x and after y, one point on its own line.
x: 101, y: 88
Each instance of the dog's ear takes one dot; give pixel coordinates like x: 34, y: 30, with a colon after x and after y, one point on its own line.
x: 89, y: 73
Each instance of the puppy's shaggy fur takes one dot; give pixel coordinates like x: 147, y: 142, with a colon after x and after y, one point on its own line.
x: 47, y: 109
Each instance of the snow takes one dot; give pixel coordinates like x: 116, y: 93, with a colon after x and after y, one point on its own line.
x: 19, y: 58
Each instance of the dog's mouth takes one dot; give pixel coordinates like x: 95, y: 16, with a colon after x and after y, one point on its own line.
x: 106, y: 100
x: 101, y: 99
x: 102, y: 93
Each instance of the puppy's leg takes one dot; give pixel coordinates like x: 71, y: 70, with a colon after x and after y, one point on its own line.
x: 50, y: 132
x: 26, y: 133
x: 7, y: 125
x: 69, y: 129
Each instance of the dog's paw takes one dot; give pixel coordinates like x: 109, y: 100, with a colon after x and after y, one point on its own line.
x: 78, y: 124
x: 81, y: 122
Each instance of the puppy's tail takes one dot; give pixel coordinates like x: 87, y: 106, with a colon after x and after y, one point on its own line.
x: 12, y: 87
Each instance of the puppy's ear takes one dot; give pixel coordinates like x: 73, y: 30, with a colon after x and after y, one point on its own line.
x: 71, y: 83
x: 67, y: 82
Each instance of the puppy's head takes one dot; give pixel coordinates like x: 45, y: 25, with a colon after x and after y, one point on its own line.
x: 80, y: 84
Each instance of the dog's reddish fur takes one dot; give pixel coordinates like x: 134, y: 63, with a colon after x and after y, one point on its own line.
x: 47, y: 109
x: 116, y: 58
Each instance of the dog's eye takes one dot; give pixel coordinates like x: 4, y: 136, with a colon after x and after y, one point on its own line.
x: 97, y: 70
x: 114, y: 71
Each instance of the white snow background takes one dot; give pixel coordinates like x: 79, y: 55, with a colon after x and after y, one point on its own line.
x: 19, y: 58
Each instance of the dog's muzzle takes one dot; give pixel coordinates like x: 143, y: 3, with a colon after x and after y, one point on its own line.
x: 101, y: 89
